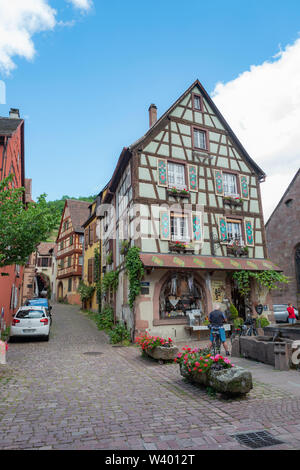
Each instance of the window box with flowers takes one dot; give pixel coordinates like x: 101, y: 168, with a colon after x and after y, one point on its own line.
x: 178, y: 192
x: 236, y: 250
x: 233, y: 201
x: 157, y: 347
x: 201, y: 367
x: 180, y: 247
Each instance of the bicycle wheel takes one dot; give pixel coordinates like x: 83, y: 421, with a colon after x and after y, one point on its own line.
x: 218, y: 344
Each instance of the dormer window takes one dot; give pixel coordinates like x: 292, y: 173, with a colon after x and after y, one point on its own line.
x: 197, y: 102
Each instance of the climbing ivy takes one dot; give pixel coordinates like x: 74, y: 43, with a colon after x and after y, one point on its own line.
x: 110, y: 280
x: 135, y: 271
x: 268, y: 279
x: 97, y: 277
x: 85, y: 292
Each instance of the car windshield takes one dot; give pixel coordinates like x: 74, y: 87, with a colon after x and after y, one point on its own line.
x: 30, y: 314
x: 38, y: 302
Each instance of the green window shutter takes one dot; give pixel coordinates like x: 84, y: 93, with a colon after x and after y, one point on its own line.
x: 165, y: 225
x: 71, y: 240
x: 162, y: 172
x: 219, y: 182
x: 223, y: 229
x: 249, y: 233
x: 193, y: 177
x: 197, y: 233
x: 244, y: 187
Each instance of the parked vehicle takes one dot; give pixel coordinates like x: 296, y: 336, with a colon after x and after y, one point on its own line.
x: 40, y: 302
x: 30, y: 321
x: 281, y: 314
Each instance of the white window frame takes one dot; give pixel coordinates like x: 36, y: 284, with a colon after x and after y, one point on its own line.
x: 230, y: 184
x: 176, y: 175
x: 180, y: 228
x: 196, y: 140
x: 234, y: 232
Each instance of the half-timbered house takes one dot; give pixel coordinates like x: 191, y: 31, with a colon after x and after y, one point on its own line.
x: 188, y: 195
x: 69, y: 250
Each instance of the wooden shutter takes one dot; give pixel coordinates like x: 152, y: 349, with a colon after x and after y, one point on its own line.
x: 86, y: 238
x: 223, y: 229
x: 90, y: 271
x: 165, y: 225
x: 249, y: 237
x: 162, y: 172
x: 192, y: 178
x: 244, y: 187
x: 219, y: 182
x: 95, y: 232
x: 197, y: 232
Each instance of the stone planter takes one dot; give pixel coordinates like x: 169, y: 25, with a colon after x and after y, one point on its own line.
x: 233, y: 381
x: 162, y: 353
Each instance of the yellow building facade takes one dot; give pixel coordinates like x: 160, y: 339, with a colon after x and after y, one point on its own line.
x: 91, y: 260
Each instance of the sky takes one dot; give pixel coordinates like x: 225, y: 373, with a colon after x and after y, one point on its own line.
x: 84, y: 72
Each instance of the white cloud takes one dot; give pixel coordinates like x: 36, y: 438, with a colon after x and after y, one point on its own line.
x: 262, y: 106
x: 81, y: 4
x: 20, y: 20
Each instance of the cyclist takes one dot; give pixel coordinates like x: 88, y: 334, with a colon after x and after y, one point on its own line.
x: 217, y: 319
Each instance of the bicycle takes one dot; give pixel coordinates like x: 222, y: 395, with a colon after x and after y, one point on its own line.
x: 249, y: 327
x: 216, y: 340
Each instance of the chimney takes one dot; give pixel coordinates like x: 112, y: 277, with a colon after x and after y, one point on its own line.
x: 152, y: 114
x: 14, y: 113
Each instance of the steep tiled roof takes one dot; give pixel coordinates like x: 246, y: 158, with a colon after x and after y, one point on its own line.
x: 9, y: 125
x: 79, y: 212
x: 44, y: 247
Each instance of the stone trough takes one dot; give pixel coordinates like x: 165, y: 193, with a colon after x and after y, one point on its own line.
x: 162, y: 353
x: 271, y: 350
x: 233, y: 381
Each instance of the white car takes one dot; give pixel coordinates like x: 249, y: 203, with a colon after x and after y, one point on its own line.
x: 30, y: 321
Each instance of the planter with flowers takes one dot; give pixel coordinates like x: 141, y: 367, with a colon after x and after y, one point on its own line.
x: 201, y: 367
x: 178, y: 192
x: 233, y: 201
x: 180, y: 247
x: 157, y: 347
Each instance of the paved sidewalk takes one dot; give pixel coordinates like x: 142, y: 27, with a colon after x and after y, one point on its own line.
x: 56, y: 396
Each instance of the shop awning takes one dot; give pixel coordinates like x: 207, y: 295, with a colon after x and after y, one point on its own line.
x: 206, y: 262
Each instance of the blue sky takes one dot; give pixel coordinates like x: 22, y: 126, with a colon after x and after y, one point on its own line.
x: 86, y: 90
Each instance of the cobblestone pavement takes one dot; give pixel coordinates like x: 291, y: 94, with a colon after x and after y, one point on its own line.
x: 55, y: 396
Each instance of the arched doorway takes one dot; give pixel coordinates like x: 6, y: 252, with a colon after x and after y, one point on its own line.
x: 43, y: 284
x: 60, y: 291
x: 180, y: 295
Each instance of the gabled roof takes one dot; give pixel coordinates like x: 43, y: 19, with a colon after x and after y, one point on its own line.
x: 79, y: 212
x: 44, y: 248
x: 284, y: 195
x: 260, y: 173
x: 9, y: 125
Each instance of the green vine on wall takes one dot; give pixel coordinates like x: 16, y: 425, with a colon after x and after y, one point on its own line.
x: 135, y: 271
x: 110, y: 281
x: 268, y: 279
x: 97, y: 277
x: 85, y: 292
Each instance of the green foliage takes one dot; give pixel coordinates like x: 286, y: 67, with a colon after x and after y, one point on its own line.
x: 109, y: 258
x: 124, y: 247
x: 21, y: 228
x: 135, y: 271
x: 238, y: 322
x: 119, y: 334
x: 106, y: 318
x: 4, y: 334
x: 233, y: 312
x: 86, y: 292
x: 268, y: 279
x: 262, y: 322
x: 110, y: 281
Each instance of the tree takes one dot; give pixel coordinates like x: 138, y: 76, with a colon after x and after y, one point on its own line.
x: 22, y: 228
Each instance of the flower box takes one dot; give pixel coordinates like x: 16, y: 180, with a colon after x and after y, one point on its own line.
x: 216, y: 372
x: 237, y: 251
x: 180, y: 247
x: 157, y: 347
x: 176, y: 192
x: 233, y: 201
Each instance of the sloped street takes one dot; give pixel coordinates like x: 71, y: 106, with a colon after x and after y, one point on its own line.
x: 79, y: 392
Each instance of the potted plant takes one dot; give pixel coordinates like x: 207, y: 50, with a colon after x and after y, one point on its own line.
x: 124, y: 247
x: 183, y: 192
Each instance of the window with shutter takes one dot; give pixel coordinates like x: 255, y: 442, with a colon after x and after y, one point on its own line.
x: 197, y: 227
x: 180, y: 227
x: 223, y: 229
x: 176, y: 175
x: 230, y: 187
x: 244, y: 187
x: 165, y: 229
x: 219, y: 183
x: 193, y: 177
x: 162, y: 172
x: 249, y: 233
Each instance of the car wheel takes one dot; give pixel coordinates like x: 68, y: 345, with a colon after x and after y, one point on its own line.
x: 46, y: 338
x: 11, y: 339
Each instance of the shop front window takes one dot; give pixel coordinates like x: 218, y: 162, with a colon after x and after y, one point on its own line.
x: 181, y: 296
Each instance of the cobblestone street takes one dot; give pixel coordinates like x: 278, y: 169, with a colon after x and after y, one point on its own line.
x: 56, y: 396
